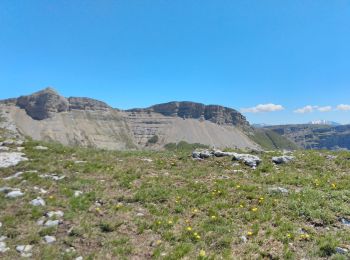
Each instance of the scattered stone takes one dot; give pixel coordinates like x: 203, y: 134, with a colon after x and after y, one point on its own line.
x: 4, y: 148
x: 0, y: 224
x: 3, y: 238
x: 5, y: 189
x: 248, y: 159
x: 39, y: 147
x: 11, y: 159
x: 278, y: 190
x: 12, y: 142
x: 24, y: 250
x: 237, y: 171
x: 55, y: 177
x: 38, y: 202
x: 14, y: 176
x: 282, y: 159
x: 14, y: 194
x: 41, y: 221
x: 52, y: 223
x: 57, y: 213
x: 80, y: 162
x: 331, y: 157
x: 219, y: 153
x: 70, y: 250
x: 79, y: 258
x: 41, y: 190
x: 140, y: 215
x: 49, y: 239
x: 244, y: 239
x: 3, y: 247
x: 342, y: 251
x: 20, y: 149
x: 147, y: 160
x: 345, y: 222
x: 77, y: 193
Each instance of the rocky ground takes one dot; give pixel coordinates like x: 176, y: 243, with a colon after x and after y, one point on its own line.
x: 60, y: 202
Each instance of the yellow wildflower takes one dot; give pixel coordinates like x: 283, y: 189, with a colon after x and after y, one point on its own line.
x: 254, y: 209
x: 189, y: 228
x: 202, y: 253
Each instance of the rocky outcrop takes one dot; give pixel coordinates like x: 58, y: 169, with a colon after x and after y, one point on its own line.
x: 217, y: 114
x: 46, y: 103
x: 87, y: 104
x: 43, y: 104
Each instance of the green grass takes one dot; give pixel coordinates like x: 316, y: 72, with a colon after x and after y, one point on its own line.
x: 175, y: 207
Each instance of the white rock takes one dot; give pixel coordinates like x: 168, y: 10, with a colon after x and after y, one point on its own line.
x: 77, y: 193
x: 140, y: 214
x: 20, y: 149
x: 342, y: 251
x: 282, y: 159
x: 3, y: 238
x: 0, y: 224
x: 14, y: 176
x: 39, y: 147
x: 11, y: 159
x: 3, y: 247
x: 52, y: 223
x: 38, y: 202
x: 278, y: 190
x: 219, y: 153
x: 41, y: 190
x: 345, y: 222
x: 244, y: 239
x: 24, y: 250
x: 79, y: 258
x: 6, y: 189
x: 4, y: 148
x: 147, y: 160
x: 14, y: 194
x: 248, y: 159
x: 57, y: 213
x: 49, y: 239
x: 55, y: 177
x: 80, y: 162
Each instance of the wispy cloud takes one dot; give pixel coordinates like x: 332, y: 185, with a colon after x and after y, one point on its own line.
x: 343, y: 107
x: 263, y: 108
x: 309, y: 109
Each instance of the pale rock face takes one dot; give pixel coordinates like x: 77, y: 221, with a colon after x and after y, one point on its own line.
x: 11, y: 159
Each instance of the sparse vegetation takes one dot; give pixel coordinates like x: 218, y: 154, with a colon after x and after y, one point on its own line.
x: 184, y: 146
x: 171, y: 206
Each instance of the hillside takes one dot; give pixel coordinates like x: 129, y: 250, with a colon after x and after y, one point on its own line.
x: 47, y: 116
x: 68, y: 202
x: 311, y: 136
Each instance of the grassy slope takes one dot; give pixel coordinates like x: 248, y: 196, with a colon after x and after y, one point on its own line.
x: 270, y: 140
x: 187, y: 206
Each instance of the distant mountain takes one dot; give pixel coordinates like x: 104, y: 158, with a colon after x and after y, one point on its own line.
x: 261, y: 125
x: 324, y: 122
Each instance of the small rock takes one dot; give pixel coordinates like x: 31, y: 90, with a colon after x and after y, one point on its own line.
x: 49, y: 239
x: 140, y: 214
x: 0, y: 224
x: 3, y: 238
x: 11, y: 159
x: 5, y: 189
x: 20, y: 149
x: 41, y: 190
x: 77, y: 193
x: 248, y: 159
x: 57, y: 213
x: 345, y: 222
x: 79, y: 258
x: 219, y: 153
x: 38, y: 202
x: 39, y: 147
x: 244, y: 239
x: 54, y: 177
x: 342, y: 251
x: 52, y: 223
x: 4, y: 148
x: 278, y: 190
x: 282, y: 159
x: 147, y: 160
x: 24, y: 250
x: 14, y: 194
x: 3, y: 247
x: 70, y: 250
x: 14, y: 176
x: 331, y: 157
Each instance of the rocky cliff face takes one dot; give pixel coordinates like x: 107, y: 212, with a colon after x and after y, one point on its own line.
x: 217, y: 114
x: 45, y: 115
x: 46, y: 103
x: 311, y: 136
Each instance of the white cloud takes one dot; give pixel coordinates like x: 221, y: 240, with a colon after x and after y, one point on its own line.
x: 306, y: 109
x: 309, y: 109
x: 343, y: 107
x: 324, y: 109
x: 263, y: 108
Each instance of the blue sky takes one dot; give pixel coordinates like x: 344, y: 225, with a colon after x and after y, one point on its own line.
x: 135, y: 53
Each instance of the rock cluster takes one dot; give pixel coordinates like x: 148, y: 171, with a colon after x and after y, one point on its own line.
x: 282, y: 159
